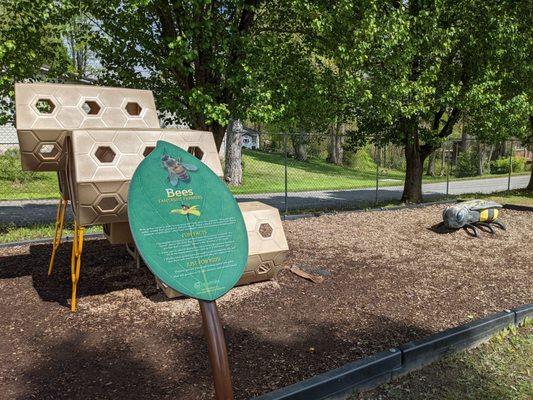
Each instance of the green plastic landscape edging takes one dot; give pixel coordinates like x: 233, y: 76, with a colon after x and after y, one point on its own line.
x: 369, y: 372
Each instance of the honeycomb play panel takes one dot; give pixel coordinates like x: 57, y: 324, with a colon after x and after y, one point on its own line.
x: 45, y: 113
x: 102, y: 162
x: 95, y: 137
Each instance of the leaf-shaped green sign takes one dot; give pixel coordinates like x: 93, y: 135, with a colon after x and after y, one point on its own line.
x: 186, y: 224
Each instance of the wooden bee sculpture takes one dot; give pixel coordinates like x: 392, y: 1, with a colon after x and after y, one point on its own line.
x: 472, y: 216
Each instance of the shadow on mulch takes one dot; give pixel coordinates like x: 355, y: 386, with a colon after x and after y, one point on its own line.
x: 153, y: 358
x: 87, y: 367
x: 109, y: 267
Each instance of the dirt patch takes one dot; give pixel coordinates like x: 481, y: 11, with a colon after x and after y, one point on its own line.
x: 388, y: 279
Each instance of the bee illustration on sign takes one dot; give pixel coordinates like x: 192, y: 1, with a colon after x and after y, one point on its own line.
x: 187, y: 210
x: 177, y: 170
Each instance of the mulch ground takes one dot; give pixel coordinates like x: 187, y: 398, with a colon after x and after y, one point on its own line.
x: 389, y: 279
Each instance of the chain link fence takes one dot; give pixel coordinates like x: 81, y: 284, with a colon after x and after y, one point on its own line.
x: 308, y: 172
x: 305, y: 172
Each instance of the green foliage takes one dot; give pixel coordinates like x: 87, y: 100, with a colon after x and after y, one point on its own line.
x: 361, y: 160
x: 467, y: 164
x: 10, y: 169
x: 192, y: 54
x: 30, y: 38
x: 501, y: 165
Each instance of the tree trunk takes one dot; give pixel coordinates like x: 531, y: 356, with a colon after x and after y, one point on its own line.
x: 498, y: 152
x: 431, y: 164
x: 479, y: 159
x: 233, y: 167
x: 335, y: 144
x: 412, y: 190
x: 464, y: 138
x: 299, y: 144
x: 414, y: 157
x: 443, y: 162
x: 530, y: 184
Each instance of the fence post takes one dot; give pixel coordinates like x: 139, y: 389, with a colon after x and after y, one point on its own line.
x: 286, y: 174
x: 377, y: 176
x: 510, y: 167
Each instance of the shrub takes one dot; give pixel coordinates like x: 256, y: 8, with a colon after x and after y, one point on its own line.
x: 501, y: 165
x: 467, y: 164
x: 361, y: 160
x: 10, y: 168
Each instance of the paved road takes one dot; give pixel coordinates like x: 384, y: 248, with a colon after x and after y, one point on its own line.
x: 350, y: 198
x: 28, y: 212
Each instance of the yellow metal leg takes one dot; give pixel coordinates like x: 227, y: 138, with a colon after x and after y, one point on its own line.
x: 60, y: 221
x: 75, y: 263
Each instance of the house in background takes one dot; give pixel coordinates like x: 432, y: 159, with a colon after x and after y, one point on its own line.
x: 523, y: 151
x: 249, y: 137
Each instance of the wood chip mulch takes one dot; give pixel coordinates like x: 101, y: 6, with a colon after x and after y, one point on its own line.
x: 387, y: 279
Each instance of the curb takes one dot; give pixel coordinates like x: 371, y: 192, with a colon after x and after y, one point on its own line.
x: 517, y: 207
x: 369, y: 372
x: 290, y: 217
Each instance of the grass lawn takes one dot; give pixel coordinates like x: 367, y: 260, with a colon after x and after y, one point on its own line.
x: 263, y: 173
x: 497, y: 370
x: 10, y: 233
x: 43, y: 186
x: 521, y: 197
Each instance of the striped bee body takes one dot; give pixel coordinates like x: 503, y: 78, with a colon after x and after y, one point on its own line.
x: 473, y: 214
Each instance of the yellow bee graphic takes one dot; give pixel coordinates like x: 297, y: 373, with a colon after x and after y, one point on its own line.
x: 177, y: 170
x: 186, y: 210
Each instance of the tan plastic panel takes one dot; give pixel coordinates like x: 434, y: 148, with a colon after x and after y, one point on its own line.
x: 45, y: 112
x: 42, y: 150
x: 118, y: 233
x: 267, y: 245
x: 102, y: 162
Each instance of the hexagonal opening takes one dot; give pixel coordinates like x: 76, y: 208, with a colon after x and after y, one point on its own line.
x: 91, y: 107
x: 196, y: 151
x: 265, y: 267
x: 105, y: 154
x: 48, y: 150
x: 148, y: 150
x: 265, y: 230
x: 107, y: 204
x: 133, y: 109
x: 45, y: 106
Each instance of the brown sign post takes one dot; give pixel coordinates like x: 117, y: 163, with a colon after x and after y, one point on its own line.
x: 218, y: 354
x: 190, y: 232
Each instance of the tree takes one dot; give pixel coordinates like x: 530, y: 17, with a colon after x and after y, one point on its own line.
x: 233, y: 167
x: 504, y: 109
x: 30, y: 38
x: 77, y: 38
x: 191, y: 54
x: 287, y: 88
x: 335, y: 149
x: 422, y: 65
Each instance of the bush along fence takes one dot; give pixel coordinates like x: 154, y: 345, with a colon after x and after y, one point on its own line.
x: 307, y: 172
